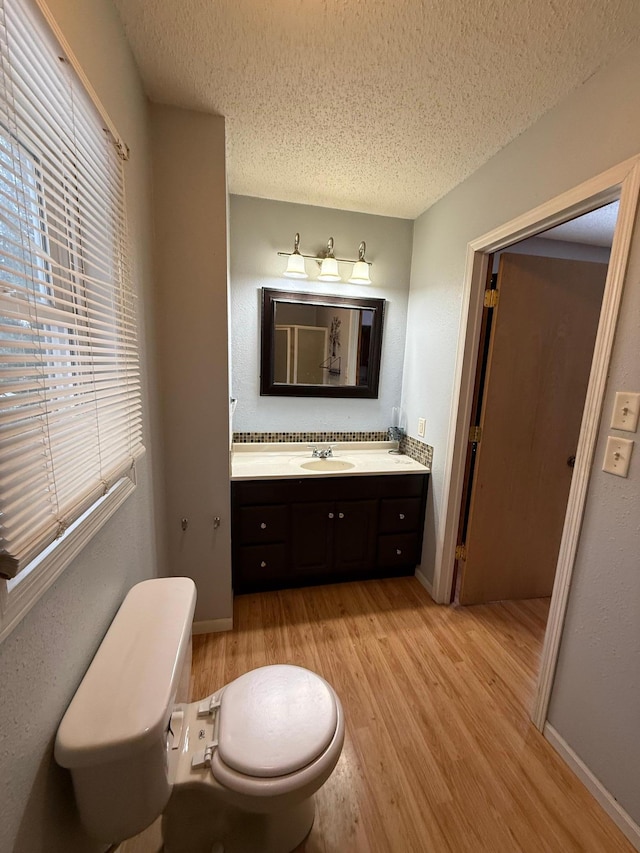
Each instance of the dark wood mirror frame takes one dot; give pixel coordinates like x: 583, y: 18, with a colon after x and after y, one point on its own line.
x: 268, y: 387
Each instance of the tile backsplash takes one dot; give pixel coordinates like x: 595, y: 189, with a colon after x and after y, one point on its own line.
x: 411, y: 447
x: 263, y: 437
x: 417, y: 450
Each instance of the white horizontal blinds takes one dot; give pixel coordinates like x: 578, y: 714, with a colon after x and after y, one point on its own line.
x: 70, y: 411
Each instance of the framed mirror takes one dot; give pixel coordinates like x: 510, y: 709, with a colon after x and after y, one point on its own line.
x: 317, y: 345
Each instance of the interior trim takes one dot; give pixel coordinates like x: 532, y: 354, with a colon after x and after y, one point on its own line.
x: 612, y: 807
x: 623, y: 182
x: 212, y: 626
x: 18, y: 595
x: 424, y: 581
x: 77, y: 67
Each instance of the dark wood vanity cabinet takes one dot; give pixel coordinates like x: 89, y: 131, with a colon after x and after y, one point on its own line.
x: 320, y: 530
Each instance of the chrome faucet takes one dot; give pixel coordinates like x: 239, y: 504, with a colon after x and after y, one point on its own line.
x: 324, y: 453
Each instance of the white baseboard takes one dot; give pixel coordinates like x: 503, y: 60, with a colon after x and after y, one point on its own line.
x: 608, y: 802
x: 212, y: 626
x: 425, y: 582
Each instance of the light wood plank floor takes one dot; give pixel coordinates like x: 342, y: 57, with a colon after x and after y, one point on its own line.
x: 440, y: 755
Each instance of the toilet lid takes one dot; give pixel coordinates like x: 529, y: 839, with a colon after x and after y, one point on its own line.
x: 275, y: 720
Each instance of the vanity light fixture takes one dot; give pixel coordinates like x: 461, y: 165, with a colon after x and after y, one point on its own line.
x: 360, y: 274
x: 328, y: 264
x: 295, y: 266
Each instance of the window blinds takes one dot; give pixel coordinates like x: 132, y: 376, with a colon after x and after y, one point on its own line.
x: 70, y: 410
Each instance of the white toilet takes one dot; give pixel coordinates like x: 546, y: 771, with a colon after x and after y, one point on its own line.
x: 235, y: 772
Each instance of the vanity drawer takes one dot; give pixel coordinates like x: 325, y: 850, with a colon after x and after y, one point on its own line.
x: 403, y: 486
x: 399, y: 514
x: 258, y: 565
x: 398, y: 549
x: 262, y: 524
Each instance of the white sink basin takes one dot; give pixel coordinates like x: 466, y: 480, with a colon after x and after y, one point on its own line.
x: 327, y: 465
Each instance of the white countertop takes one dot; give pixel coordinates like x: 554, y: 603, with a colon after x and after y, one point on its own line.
x: 352, y: 459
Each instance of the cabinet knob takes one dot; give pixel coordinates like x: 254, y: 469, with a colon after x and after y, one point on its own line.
x: 263, y: 526
x: 340, y: 515
x: 330, y: 515
x: 401, y: 516
x: 263, y: 565
x: 398, y: 551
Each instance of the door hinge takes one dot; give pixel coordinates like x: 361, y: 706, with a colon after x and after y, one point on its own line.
x: 490, y: 298
x: 475, y: 434
x: 461, y: 552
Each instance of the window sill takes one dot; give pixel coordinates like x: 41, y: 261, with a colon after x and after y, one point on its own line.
x: 17, y: 596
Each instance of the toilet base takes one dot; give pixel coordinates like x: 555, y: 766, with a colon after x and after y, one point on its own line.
x: 191, y: 825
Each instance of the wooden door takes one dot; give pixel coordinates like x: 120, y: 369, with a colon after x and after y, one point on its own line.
x: 542, y: 342
x: 310, y: 350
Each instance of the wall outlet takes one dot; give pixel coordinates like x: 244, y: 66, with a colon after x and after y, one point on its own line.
x: 422, y: 424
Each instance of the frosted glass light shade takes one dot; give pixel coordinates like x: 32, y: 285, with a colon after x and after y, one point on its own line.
x: 360, y: 274
x: 295, y: 267
x: 329, y: 270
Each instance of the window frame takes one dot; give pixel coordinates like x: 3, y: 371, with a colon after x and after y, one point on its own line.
x: 19, y: 594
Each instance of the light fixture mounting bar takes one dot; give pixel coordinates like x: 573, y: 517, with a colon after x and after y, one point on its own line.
x: 319, y: 260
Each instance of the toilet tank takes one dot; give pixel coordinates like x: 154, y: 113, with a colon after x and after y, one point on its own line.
x: 113, y: 737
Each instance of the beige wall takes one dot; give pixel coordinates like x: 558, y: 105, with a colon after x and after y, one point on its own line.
x: 189, y: 204
x: 596, y: 697
x: 44, y: 659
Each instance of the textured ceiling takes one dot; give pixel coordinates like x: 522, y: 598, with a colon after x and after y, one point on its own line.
x: 379, y: 106
x: 594, y: 229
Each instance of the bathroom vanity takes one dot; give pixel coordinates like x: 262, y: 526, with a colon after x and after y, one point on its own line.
x: 298, y: 521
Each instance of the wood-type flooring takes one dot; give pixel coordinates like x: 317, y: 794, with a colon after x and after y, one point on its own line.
x: 440, y: 755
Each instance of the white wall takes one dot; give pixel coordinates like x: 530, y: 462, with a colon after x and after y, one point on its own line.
x: 44, y: 659
x: 596, y: 698
x: 259, y: 228
x: 190, y: 204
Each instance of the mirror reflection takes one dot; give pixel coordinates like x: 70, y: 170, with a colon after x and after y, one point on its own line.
x: 320, y: 345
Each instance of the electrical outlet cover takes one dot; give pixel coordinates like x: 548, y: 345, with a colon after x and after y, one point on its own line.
x: 625, y: 411
x: 422, y: 424
x: 617, y: 456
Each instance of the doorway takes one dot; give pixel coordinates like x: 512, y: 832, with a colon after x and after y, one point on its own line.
x: 620, y: 182
x: 539, y: 324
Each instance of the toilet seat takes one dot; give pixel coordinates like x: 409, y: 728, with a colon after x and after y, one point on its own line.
x: 273, y: 721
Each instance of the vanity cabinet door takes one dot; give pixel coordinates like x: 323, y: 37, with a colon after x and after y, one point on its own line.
x: 312, y: 527
x: 355, y: 536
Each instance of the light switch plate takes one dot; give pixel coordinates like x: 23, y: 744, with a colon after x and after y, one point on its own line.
x: 422, y: 425
x: 625, y: 411
x: 617, y: 456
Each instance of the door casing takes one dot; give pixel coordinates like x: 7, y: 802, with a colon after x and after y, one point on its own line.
x: 620, y: 182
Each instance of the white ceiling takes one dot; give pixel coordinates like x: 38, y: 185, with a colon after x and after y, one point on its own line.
x: 379, y: 106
